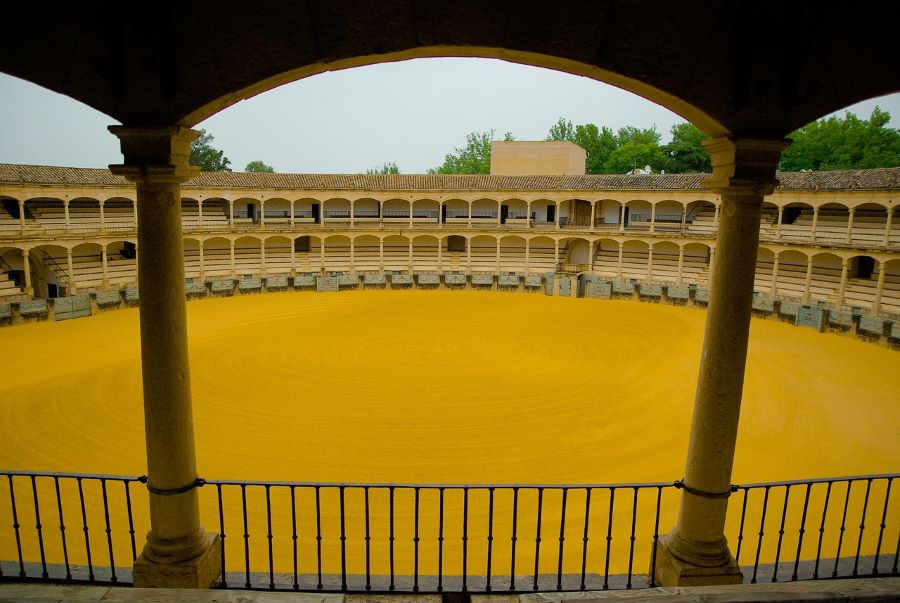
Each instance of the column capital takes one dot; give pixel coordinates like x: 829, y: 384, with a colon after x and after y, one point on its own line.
x: 155, y: 153
x: 743, y: 167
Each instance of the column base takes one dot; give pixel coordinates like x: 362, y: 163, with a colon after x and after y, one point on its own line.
x: 672, y: 571
x: 202, y: 571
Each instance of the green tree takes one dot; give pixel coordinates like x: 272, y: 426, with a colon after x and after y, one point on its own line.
x: 259, y: 166
x: 842, y: 143
x: 562, y: 130
x: 636, y: 147
x: 686, y: 153
x: 386, y: 168
x: 474, y: 158
x: 207, y: 157
x: 597, y: 142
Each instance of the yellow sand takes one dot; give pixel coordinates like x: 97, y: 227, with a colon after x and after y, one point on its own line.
x: 451, y: 387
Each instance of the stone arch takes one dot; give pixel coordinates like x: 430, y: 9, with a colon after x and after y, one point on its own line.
x: 367, y: 257
x: 50, y: 274
x: 278, y: 254
x: 541, y: 254
x: 396, y: 253
x: 248, y: 255
x: 425, y: 252
x: 665, y: 261
x: 217, y: 256
x: 483, y: 253
x: 512, y: 253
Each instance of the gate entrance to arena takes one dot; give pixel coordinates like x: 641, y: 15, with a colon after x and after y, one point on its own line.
x: 75, y: 306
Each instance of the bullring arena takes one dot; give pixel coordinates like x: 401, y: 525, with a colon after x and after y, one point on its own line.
x: 367, y: 344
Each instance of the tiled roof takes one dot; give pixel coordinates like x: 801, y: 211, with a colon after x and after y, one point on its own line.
x: 874, y: 179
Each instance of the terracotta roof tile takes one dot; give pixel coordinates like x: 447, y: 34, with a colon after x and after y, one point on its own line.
x: 882, y: 178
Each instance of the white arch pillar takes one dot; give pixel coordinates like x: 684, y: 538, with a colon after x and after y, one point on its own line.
x: 842, y: 290
x: 879, y: 288
x: 851, y: 211
x: 773, y: 290
x: 73, y: 288
x: 808, y: 279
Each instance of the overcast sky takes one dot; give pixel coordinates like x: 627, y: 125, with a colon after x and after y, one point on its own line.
x: 410, y: 112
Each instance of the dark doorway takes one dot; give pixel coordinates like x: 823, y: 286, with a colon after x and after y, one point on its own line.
x: 551, y: 213
x: 443, y: 214
x: 865, y: 266
x: 456, y: 243
x: 504, y: 213
x: 315, y: 213
x: 251, y: 212
x: 301, y: 245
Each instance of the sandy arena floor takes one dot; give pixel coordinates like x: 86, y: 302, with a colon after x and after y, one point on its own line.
x: 451, y: 387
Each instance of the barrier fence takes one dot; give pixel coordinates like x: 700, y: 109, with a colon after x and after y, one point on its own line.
x: 357, y: 537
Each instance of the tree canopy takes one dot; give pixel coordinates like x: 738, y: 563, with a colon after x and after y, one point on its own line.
x: 474, y: 158
x: 259, y: 166
x: 842, y: 143
x: 207, y: 157
x: 389, y: 167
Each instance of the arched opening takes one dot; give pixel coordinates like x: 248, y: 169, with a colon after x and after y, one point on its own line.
x: 765, y: 266
x: 277, y: 211
x: 45, y: 213
x: 396, y: 252
x: 247, y: 257
x: 702, y: 218
x: 695, y: 267
x: 278, y: 255
x: 669, y: 215
x: 483, y: 254
x: 306, y: 211
x: 337, y: 210
x: 119, y: 214
x: 191, y: 258
x: 366, y: 210
x: 825, y: 279
x: 541, y: 255
x: 12, y: 277
x: 87, y: 265
x: 576, y: 252
x: 121, y: 264
x: 50, y: 274
x: 512, y: 254
x: 665, y: 262
x: 217, y: 257
x: 792, y: 274
x: 514, y: 212
x: 634, y: 259
x: 367, y: 257
x: 425, y: 253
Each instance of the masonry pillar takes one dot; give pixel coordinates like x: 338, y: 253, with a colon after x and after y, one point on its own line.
x: 410, y: 258
x: 410, y: 213
x: 879, y: 288
x: 105, y: 281
x: 814, y: 223
x: 808, y: 280
x: 469, y: 255
x: 231, y: 258
x: 200, y: 214
x: 773, y: 291
x: 102, y: 216
x: 262, y: 258
x: 352, y: 258
x: 262, y: 213
x: 557, y: 214
x: 845, y: 265
x: 850, y: 225
x: 527, y: 256
x: 696, y: 552
x: 66, y: 211
x: 498, y: 256
x: 621, y: 249
x: 470, y: 215
x: 440, y: 216
x: 887, y: 226
x: 499, y: 212
x: 26, y: 268
x: 439, y: 262
x: 177, y: 553
x: 653, y: 218
x: 622, y: 218
x: 680, y: 264
x: 352, y: 223
x: 22, y: 217
x: 71, y: 269
x: 778, y: 226
x: 381, y: 254
x: 683, y: 218
x: 528, y: 223
x: 291, y: 219
x: 294, y: 255
x: 231, y: 215
x: 593, y: 212
x: 202, y: 262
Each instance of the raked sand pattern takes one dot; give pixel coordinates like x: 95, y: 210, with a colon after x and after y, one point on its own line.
x: 442, y: 387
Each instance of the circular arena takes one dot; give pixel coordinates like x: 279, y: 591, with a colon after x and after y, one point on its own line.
x: 441, y: 387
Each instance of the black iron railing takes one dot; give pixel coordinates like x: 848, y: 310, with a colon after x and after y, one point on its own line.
x: 358, y: 537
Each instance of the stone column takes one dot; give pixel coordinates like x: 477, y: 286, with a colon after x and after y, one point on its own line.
x: 105, y: 282
x: 66, y: 211
x: 650, y: 263
x: 380, y: 212
x: 352, y: 222
x: 499, y: 211
x: 439, y: 259
x: 593, y: 213
x: 381, y: 254
x: 410, y: 253
x: 555, y: 256
x: 716, y: 219
x: 26, y: 268
x: 470, y: 214
x: 294, y: 255
x: 773, y: 290
x: 653, y: 217
x: 557, y: 214
x: 262, y: 258
x: 202, y: 263
x: 683, y: 218
x: 590, y: 256
x: 231, y: 216
x: 815, y: 223
x: 178, y: 553
x: 807, y: 282
x: 469, y: 255
x: 778, y: 226
x: 622, y: 218
x: 22, y: 217
x: 440, y: 216
x: 352, y: 258
x: 528, y: 214
x: 621, y: 248
x: 291, y: 217
x: 322, y: 213
x: 845, y: 264
x: 879, y: 288
x: 231, y: 257
x: 72, y: 287
x: 887, y: 226
x: 498, y: 256
x: 102, y: 216
x: 680, y: 264
x: 850, y: 224
x: 134, y: 209
x: 696, y: 551
x: 411, y: 214
x: 262, y: 213
x: 527, y: 256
